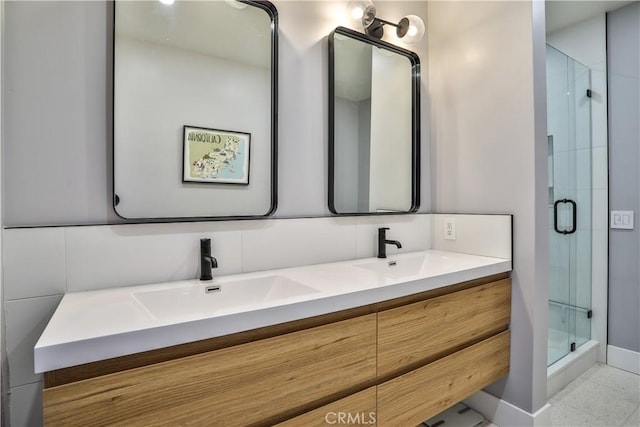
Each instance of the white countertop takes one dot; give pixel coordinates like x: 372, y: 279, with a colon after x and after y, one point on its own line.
x: 99, y: 325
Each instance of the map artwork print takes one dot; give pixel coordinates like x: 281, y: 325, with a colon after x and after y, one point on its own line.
x: 215, y: 156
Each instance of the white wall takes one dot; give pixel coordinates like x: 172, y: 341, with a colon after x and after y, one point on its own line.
x: 623, y: 31
x: 391, y: 125
x: 488, y: 140
x: 586, y: 43
x: 347, y: 160
x: 364, y: 154
x: 58, y: 98
x: 352, y: 155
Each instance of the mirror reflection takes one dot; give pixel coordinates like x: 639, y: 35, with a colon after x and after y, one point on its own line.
x: 373, y: 129
x: 194, y: 108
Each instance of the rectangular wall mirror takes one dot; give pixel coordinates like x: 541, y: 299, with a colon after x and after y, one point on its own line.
x: 374, y: 125
x: 194, y: 109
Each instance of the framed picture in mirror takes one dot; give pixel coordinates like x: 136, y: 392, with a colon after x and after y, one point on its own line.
x: 215, y: 156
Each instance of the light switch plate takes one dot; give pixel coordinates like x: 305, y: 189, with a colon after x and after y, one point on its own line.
x: 622, y: 220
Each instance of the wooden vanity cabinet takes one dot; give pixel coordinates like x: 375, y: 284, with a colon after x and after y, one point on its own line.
x: 358, y: 409
x: 409, y: 334
x: 240, y: 385
x: 422, y: 393
x: 395, y: 363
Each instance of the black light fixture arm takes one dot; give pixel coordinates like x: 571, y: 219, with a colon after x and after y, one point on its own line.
x: 376, y: 28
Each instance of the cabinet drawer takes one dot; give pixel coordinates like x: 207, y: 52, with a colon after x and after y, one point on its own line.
x: 240, y: 385
x: 359, y: 409
x: 420, y: 394
x: 438, y: 326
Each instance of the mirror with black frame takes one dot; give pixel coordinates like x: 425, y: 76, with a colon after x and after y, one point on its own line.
x: 373, y: 125
x: 194, y: 109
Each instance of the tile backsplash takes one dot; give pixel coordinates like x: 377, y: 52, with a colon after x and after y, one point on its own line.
x: 52, y: 261
x: 121, y: 255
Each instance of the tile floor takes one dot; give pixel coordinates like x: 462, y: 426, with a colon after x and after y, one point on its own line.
x: 601, y: 397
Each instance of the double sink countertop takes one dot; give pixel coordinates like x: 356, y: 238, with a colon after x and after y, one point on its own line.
x: 98, y: 325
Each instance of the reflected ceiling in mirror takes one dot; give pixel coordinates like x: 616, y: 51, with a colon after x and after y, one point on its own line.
x: 195, y: 85
x: 373, y: 125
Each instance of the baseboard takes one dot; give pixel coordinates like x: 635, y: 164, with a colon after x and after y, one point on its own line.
x: 504, y: 414
x: 622, y: 358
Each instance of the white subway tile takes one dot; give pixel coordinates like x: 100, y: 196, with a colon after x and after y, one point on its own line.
x: 25, y: 321
x: 33, y: 262
x: 121, y: 255
x: 281, y: 243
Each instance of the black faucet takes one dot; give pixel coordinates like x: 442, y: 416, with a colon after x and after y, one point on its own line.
x: 207, y: 262
x: 382, y: 242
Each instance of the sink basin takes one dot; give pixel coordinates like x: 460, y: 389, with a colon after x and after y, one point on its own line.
x: 209, y: 297
x: 397, y: 267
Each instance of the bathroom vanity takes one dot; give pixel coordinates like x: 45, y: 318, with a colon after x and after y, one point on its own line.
x: 369, y: 343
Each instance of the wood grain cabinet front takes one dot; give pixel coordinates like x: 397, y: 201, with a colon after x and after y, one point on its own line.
x: 411, y: 335
x: 393, y: 363
x: 356, y: 410
x: 410, y: 399
x: 257, y: 383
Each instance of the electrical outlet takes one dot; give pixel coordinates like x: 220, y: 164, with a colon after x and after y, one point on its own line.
x: 450, y: 229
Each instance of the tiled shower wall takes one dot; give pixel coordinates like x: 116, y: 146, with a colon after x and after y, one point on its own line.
x: 41, y: 264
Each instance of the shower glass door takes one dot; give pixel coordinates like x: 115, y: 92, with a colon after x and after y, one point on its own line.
x: 570, y: 190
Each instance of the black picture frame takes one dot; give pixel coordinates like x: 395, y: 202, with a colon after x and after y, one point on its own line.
x: 215, y: 156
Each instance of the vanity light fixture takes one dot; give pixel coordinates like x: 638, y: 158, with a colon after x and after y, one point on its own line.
x: 363, y: 13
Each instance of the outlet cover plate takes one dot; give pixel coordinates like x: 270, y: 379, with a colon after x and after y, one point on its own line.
x: 450, y: 228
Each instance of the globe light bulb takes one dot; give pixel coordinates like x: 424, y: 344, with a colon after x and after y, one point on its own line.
x: 357, y: 13
x: 361, y: 13
x: 415, y: 31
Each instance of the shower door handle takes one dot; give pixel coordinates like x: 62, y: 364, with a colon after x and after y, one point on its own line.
x: 574, y: 211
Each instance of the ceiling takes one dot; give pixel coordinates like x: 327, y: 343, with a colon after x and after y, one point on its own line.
x: 564, y: 13
x: 215, y: 28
